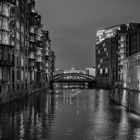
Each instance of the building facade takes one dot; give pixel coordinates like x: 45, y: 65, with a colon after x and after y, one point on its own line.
x: 91, y: 71
x: 106, y: 56
x: 110, y: 49
x: 113, y: 46
x: 131, y: 63
x: 23, y: 68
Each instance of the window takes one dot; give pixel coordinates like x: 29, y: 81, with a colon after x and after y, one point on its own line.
x: 22, y: 29
x: 22, y: 75
x: 5, y: 38
x: 139, y: 62
x: 6, y: 10
x: 0, y: 7
x: 136, y: 62
x: 18, y: 74
x: 22, y: 39
x: 22, y: 62
x: 17, y: 46
x: 101, y: 71
x: 0, y: 22
x: 107, y: 54
x: 32, y: 29
x: 17, y: 36
x: 31, y: 38
x: 17, y: 3
x: 106, y: 70
x: 18, y: 24
x: 0, y: 37
x: 105, y: 49
x: 0, y: 73
x: 103, y: 44
x: 5, y: 25
x: 101, y: 60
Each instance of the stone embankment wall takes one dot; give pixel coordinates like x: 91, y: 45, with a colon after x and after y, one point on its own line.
x: 13, y: 95
x: 130, y: 99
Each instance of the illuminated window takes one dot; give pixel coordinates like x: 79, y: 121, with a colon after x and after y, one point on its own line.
x: 0, y: 7
x: 31, y: 38
x: 17, y: 46
x: 0, y: 22
x: 18, y: 24
x: 22, y: 39
x: 17, y: 3
x: 0, y: 37
x: 5, y: 38
x: 5, y: 25
x: 22, y: 29
x: 105, y: 49
x: 22, y: 61
x: 101, y: 60
x: 107, y: 54
x: 101, y: 71
x: 22, y: 75
x: 6, y: 11
x: 17, y: 35
x: 106, y: 70
x: 103, y: 44
x: 32, y: 29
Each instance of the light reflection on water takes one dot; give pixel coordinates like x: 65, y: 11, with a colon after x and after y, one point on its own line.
x: 68, y: 115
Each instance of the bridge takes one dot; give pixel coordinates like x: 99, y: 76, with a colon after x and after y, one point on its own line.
x: 73, y: 78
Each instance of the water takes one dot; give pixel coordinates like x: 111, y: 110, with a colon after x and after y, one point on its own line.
x: 68, y: 115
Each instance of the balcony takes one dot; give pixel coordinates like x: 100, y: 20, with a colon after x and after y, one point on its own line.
x: 32, y: 56
x: 34, y: 11
x: 6, y: 63
x: 39, y: 51
x: 39, y: 59
x: 32, y: 40
x: 32, y: 47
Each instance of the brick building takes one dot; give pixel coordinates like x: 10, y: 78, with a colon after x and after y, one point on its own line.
x: 22, y: 49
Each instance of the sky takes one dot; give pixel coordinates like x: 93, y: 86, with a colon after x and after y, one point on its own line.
x: 73, y: 25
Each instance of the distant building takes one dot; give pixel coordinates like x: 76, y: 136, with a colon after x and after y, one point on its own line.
x: 91, y: 71
x: 106, y: 56
x: 75, y: 71
x: 113, y: 45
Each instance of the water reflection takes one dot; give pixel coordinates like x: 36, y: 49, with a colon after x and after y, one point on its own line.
x: 68, y: 115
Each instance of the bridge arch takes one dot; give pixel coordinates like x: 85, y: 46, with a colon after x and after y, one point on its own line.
x: 72, y: 77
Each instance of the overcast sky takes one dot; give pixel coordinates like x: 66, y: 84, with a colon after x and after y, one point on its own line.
x: 73, y: 25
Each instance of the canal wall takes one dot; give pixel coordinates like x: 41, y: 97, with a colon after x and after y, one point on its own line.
x: 130, y: 99
x: 6, y: 97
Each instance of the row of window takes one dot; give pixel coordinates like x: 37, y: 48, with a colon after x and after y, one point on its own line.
x: 5, y: 9
x: 6, y: 38
x: 103, y: 72
x: 134, y: 63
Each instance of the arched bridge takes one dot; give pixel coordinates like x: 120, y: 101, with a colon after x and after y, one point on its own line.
x: 72, y: 77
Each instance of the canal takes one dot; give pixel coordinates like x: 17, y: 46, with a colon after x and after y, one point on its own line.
x: 68, y: 115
